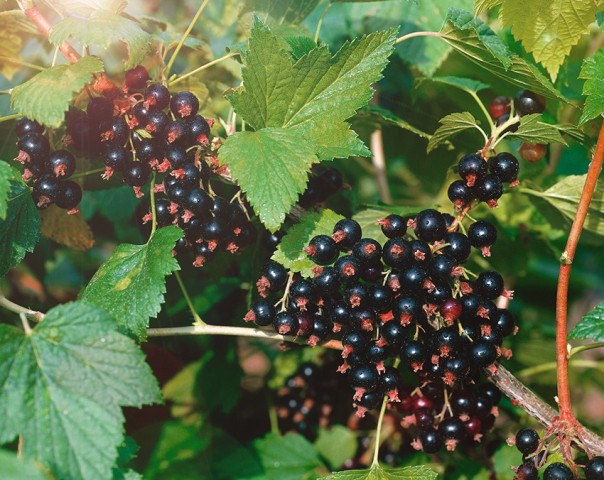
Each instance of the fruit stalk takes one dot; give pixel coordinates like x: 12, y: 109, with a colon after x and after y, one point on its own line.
x: 566, y: 260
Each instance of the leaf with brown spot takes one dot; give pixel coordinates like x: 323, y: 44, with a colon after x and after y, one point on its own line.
x: 69, y: 230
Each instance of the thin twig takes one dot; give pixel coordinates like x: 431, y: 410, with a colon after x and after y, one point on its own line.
x: 13, y: 307
x: 417, y: 34
x: 379, y: 162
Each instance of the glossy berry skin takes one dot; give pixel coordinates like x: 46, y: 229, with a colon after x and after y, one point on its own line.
x: 175, y: 133
x: 285, y: 323
x: 198, y: 202
x: 472, y: 168
x: 322, y: 250
x: 162, y: 212
x: 365, y: 377
x: 527, y: 471
x: 452, y: 428
x: 199, y: 130
x: 527, y: 441
x: 136, y: 174
x: 115, y: 130
x: 441, y: 266
x: 412, y: 279
x: 490, y: 391
x: 421, y: 252
x: 339, y: 312
x: 367, y: 250
x: 156, y: 97
x: 499, y: 106
x: 380, y: 298
x: 393, y: 225
x: 276, y: 274
x: 490, y: 189
x: 25, y: 125
x: 348, y: 268
x: 136, y: 78
x: 115, y: 156
x: 483, y: 353
x: 48, y: 186
x: 99, y: 109
x: 146, y: 150
x: 413, y: 352
x: 532, y: 152
x: 355, y: 341
x: 558, y: 471
x: 69, y: 195
x: 394, y: 334
x: 156, y: 121
x: 184, y: 104
x: 527, y: 102
x: 346, y: 233
x: 458, y: 246
x: 430, y: 225
x: 431, y: 441
x: 594, y: 470
x: 177, y: 156
x: 216, y: 229
x: 35, y: 145
x: 504, y: 322
x: 140, y: 114
x: 327, y: 281
x: 489, y: 284
x: 482, y: 234
x: 332, y: 179
x: 397, y: 253
x: 460, y: 194
x: 61, y: 163
x: 505, y: 166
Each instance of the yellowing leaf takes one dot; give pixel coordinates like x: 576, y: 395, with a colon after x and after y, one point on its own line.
x: 69, y: 230
x: 16, y: 29
x: 548, y: 29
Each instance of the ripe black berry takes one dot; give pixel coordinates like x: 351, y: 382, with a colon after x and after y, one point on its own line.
x: 157, y: 121
x: 504, y: 322
x: 412, y: 279
x: 346, y: 233
x: 527, y: 441
x: 215, y: 229
x: 198, y: 202
x: 489, y: 284
x: 136, y: 174
x: 175, y: 132
x: 156, y: 97
x: 414, y: 354
x: 363, y: 378
x: 397, y: 253
x: 348, y: 268
x: 69, y: 195
x: 33, y: 147
x: 452, y: 428
x: 460, y: 194
x: 483, y: 353
x: 136, y: 78
x: 45, y: 191
x: 61, y: 163
x: 421, y: 252
x: 146, y: 150
x: 483, y: 235
x: 526, y: 102
x: 25, y: 125
x: 393, y: 225
x: 184, y: 104
x: 458, y: 246
x: 115, y: 130
x: 274, y: 277
x: 505, y: 166
x: 322, y: 250
x: 285, y: 323
x: 490, y: 189
x: 327, y: 281
x: 472, y: 168
x: 354, y: 341
x: 380, y: 298
x: 430, y: 225
x: 199, y: 130
x: 527, y: 471
x: 558, y: 471
x: 162, y: 212
x: 430, y: 441
x: 441, y: 266
x: 394, y: 334
x: 261, y: 313
x: 594, y: 470
x: 367, y: 250
x: 406, y: 309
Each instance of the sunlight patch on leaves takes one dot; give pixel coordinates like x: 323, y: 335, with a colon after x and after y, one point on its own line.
x: 131, y: 284
x: 62, y: 386
x: 32, y: 99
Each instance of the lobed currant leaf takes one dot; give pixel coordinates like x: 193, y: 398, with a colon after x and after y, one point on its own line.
x: 451, y: 125
x: 377, y: 472
x: 591, y: 325
x: 336, y: 444
x: 288, y: 11
x: 466, y: 84
x: 592, y: 72
x: 15, y: 468
x: 288, y: 457
x: 66, y: 380
x: 7, y: 173
x: 484, y: 5
x: 532, y: 130
x: 31, y: 99
x: 131, y: 284
x: 376, y: 116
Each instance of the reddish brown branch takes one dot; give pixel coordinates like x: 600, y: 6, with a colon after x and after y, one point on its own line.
x: 564, y: 403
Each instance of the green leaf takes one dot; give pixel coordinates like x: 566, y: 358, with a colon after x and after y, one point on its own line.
x: 477, y: 42
x: 62, y: 386
x: 290, y: 252
x: 14, y: 468
x: 423, y: 53
x: 102, y: 28
x: 131, y: 284
x: 548, y: 29
x: 336, y: 444
x: 7, y: 173
x: 533, y: 131
x: 377, y: 115
x: 484, y: 5
x: 32, y: 99
x: 377, y: 472
x: 20, y: 230
x: 271, y: 167
x: 465, y: 84
x: 559, y: 205
x: 591, y: 326
x: 280, y: 11
x: 504, y: 458
x: 451, y: 125
x: 290, y: 457
x: 592, y: 72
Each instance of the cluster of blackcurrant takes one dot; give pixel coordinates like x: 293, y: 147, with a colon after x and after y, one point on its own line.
x: 483, y: 178
x: 48, y: 170
x: 534, y: 455
x: 409, y: 298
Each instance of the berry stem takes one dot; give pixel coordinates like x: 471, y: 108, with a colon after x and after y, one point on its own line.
x: 153, y: 208
x: 185, y: 35
x: 17, y: 61
x: 480, y: 104
x: 12, y: 116
x: 26, y: 326
x: 566, y: 260
x: 88, y: 172
x: 320, y: 23
x: 176, y: 80
x: 378, y: 431
x: 417, y: 34
x: 13, y: 307
x: 198, y: 322
x: 582, y: 348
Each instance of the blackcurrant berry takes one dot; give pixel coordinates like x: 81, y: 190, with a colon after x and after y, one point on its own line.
x: 367, y: 251
x: 356, y: 294
x: 354, y: 341
x: 526, y: 102
x: 460, y: 194
x: 139, y: 115
x: 472, y: 168
x: 363, y: 319
x: 441, y: 266
x: 274, y: 277
x: 162, y: 212
x: 393, y: 225
x: 69, y: 195
x: 363, y: 379
x: 372, y: 272
x: 346, y: 233
x: 156, y: 97
x: 489, y: 284
x: 25, y: 125
x: 189, y: 175
x: 463, y: 402
x: 115, y: 130
x: 199, y: 130
x: 406, y: 309
x: 157, y: 121
x: 430, y: 225
x: 394, y: 334
x: 483, y: 235
x: 262, y: 313
x: 322, y: 250
x: 147, y: 150
x: 198, y: 202
x: 527, y: 441
x: 61, y: 163
x: 136, y: 174
x: 430, y: 441
x: 397, y: 253
x: 45, y: 190
x: 490, y: 391
x: 558, y: 471
x: 285, y: 323
x: 452, y: 428
x: 527, y: 471
x: 490, y: 189
x: 412, y: 279
x: 216, y: 229
x: 505, y: 166
x: 414, y: 354
x: 458, y: 246
x: 136, y: 78
x: 175, y: 132
x: 184, y: 104
x: 594, y: 470
x: 332, y: 179
x: 421, y: 252
x: 380, y: 298
x: 33, y: 147
x: 500, y: 106
x: 483, y: 353
x: 348, y: 268
x: 339, y: 312
x: 327, y: 281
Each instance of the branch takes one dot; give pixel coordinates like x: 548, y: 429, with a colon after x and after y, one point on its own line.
x: 13, y: 307
x: 566, y: 260
x: 379, y: 162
